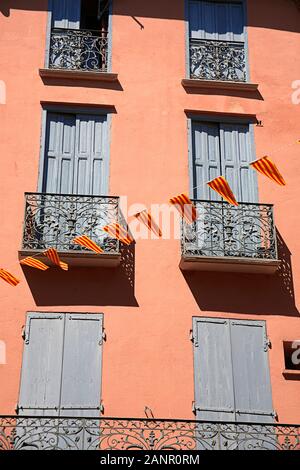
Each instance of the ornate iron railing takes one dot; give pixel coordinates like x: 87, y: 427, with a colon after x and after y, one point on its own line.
x: 47, y: 433
x: 75, y: 49
x: 54, y: 220
x: 222, y: 230
x: 217, y: 60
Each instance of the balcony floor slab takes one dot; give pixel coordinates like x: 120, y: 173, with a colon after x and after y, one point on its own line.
x: 236, y: 265
x: 79, y: 259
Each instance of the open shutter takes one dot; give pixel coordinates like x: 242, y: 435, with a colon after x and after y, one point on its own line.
x: 252, y: 387
x: 59, y: 157
x: 206, y: 159
x: 236, y: 154
x: 214, y: 396
x: 42, y: 362
x: 66, y: 14
x: 90, y: 177
x: 82, y: 363
x: 216, y: 20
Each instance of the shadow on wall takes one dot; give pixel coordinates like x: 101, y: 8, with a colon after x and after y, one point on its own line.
x: 86, y: 286
x: 259, y: 13
x: 247, y: 293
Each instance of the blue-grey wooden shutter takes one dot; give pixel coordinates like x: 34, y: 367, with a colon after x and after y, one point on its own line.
x: 90, y: 171
x: 66, y: 14
x: 214, y: 396
x: 221, y: 21
x: 42, y: 365
x: 82, y: 366
x: 236, y: 154
x: 206, y: 159
x: 59, y: 158
x: 250, y: 365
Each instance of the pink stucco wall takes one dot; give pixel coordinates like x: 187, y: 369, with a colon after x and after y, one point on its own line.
x: 148, y: 356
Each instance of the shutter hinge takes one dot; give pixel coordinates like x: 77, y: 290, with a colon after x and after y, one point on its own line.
x: 194, y: 409
x: 191, y: 336
x: 268, y: 344
x: 275, y: 415
x: 17, y: 409
x: 23, y: 333
x: 103, y: 337
x: 101, y: 407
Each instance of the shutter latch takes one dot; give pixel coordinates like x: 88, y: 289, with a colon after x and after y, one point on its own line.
x: 275, y: 415
x: 101, y: 407
x: 191, y: 336
x: 194, y: 409
x: 268, y: 344
x: 17, y: 409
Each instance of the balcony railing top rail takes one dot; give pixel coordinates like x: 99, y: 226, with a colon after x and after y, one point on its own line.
x: 222, y: 230
x: 217, y: 60
x: 66, y: 433
x: 78, y: 49
x: 54, y: 220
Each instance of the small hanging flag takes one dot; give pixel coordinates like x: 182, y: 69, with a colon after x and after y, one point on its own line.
x: 52, y: 254
x: 9, y: 278
x: 116, y: 231
x: 268, y: 168
x: 221, y: 186
x: 88, y: 243
x: 34, y: 263
x: 185, y: 206
x: 146, y: 218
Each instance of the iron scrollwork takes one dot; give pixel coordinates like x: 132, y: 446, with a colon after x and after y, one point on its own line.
x: 48, y: 433
x: 217, y: 60
x: 221, y: 230
x: 74, y: 49
x: 54, y: 220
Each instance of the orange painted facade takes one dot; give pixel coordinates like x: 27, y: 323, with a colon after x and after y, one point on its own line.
x: 148, y: 356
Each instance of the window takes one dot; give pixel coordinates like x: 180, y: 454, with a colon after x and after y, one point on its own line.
x: 292, y: 355
x: 217, y: 40
x: 79, y: 35
x: 232, y: 379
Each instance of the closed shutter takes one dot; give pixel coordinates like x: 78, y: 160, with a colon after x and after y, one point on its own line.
x: 59, y: 158
x: 214, y: 396
x: 42, y: 365
x: 206, y: 159
x: 66, y: 14
x: 236, y: 154
x: 216, y: 20
x: 82, y: 364
x: 232, y: 378
x: 253, y: 396
x: 90, y: 177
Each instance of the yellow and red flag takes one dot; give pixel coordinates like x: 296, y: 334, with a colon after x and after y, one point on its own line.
x: 221, y: 186
x: 116, y: 231
x: 52, y: 254
x: 85, y: 241
x: 268, y: 168
x: 9, y: 278
x: 34, y: 263
x: 146, y: 218
x: 185, y: 207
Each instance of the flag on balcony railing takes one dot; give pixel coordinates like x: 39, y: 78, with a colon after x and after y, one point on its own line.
x: 185, y: 207
x: 85, y: 241
x: 9, y: 278
x: 52, y: 254
x: 221, y: 186
x: 116, y: 231
x: 146, y: 218
x: 268, y: 168
x: 34, y: 263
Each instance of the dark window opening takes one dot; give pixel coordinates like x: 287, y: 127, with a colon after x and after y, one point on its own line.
x: 94, y: 15
x: 292, y: 355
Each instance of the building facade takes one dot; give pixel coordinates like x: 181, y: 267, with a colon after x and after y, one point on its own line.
x: 111, y: 107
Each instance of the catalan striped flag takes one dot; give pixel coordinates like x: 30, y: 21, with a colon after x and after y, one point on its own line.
x: 146, y: 218
x: 85, y: 241
x: 221, y: 186
x: 268, y: 168
x: 116, y: 231
x: 185, y: 207
x: 9, y: 278
x: 52, y: 254
x: 34, y: 263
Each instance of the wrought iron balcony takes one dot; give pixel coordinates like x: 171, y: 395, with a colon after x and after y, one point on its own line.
x: 217, y: 60
x: 54, y: 220
x: 230, y: 238
x: 46, y: 433
x: 74, y: 49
